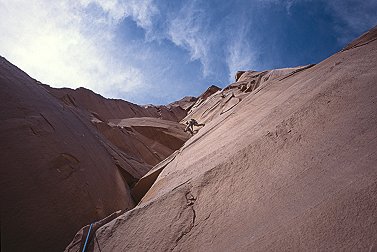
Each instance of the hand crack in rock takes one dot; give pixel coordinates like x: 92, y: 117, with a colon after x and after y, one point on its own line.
x: 190, y: 199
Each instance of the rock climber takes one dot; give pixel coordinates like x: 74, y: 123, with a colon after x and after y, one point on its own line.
x: 190, y: 125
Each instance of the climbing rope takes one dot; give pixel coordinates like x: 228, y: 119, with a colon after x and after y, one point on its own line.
x: 87, y: 238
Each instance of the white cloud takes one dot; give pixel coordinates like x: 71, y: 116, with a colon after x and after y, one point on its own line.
x: 239, y: 53
x: 72, y: 42
x: 188, y: 30
x: 140, y: 11
x: 223, y: 43
x: 62, y: 43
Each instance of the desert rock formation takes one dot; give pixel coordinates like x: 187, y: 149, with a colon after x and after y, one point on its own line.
x: 69, y: 157
x: 286, y: 161
x: 219, y: 102
x: 57, y: 172
x: 149, y: 138
x: 107, y: 109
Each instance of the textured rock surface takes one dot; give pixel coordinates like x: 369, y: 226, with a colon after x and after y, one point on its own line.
x: 291, y: 166
x: 186, y: 102
x: 137, y: 141
x: 150, y: 139
x: 66, y: 162
x: 78, y: 241
x: 57, y: 172
x: 107, y: 109
x: 149, y: 143
x: 215, y: 103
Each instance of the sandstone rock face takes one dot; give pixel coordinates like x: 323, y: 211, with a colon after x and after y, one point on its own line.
x: 200, y: 101
x: 217, y: 103
x: 186, y: 102
x: 366, y: 38
x: 57, y: 172
x: 151, y: 139
x: 238, y: 75
x: 88, y: 231
x: 114, y: 108
x: 210, y: 91
x: 67, y: 162
x: 147, y: 134
x: 290, y: 166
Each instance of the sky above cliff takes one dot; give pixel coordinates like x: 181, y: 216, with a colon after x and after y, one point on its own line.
x: 157, y: 51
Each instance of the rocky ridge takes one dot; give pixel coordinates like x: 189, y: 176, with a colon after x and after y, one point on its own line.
x: 105, y: 109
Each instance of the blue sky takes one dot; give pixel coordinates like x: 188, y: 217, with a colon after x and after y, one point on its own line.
x: 157, y: 51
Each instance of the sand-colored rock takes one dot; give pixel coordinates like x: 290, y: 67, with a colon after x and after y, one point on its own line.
x: 57, y: 172
x: 114, y: 108
x: 186, y: 102
x: 364, y: 39
x: 137, y: 142
x: 87, y: 233
x: 238, y: 75
x: 146, y: 182
x: 150, y: 139
x: 291, y: 166
x: 219, y: 102
x: 67, y: 162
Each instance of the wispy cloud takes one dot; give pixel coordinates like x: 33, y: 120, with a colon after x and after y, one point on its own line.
x: 353, y: 16
x: 139, y: 48
x: 141, y: 12
x: 189, y: 29
x: 64, y: 43
x: 240, y: 55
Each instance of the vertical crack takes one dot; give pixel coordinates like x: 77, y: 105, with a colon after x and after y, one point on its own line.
x: 190, y: 200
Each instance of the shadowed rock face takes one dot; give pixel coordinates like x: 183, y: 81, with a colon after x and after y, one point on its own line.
x: 66, y: 162
x: 290, y: 166
x: 148, y: 143
x: 57, y: 172
x: 186, y: 102
x: 151, y: 139
x: 107, y: 109
x: 135, y: 137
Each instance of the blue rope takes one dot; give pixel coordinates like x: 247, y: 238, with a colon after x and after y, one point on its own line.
x: 87, y: 237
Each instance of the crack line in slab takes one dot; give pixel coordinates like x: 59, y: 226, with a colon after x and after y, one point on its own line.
x: 190, y: 200
x: 47, y: 121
